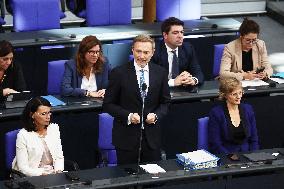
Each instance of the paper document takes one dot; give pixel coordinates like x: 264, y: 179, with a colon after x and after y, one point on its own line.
x: 253, y: 83
x: 152, y: 168
x: 278, y: 80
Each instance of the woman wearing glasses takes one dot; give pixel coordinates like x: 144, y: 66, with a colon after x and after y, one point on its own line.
x: 38, y: 144
x: 246, y: 57
x: 11, y: 75
x: 87, y: 75
x: 232, y: 126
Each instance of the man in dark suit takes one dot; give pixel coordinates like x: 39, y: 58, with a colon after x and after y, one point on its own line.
x: 123, y: 100
x: 176, y: 56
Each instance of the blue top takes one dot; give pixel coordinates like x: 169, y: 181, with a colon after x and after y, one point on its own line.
x: 72, y: 80
x: 220, y: 137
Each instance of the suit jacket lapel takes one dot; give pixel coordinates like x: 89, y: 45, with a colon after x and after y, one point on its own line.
x: 151, y: 80
x: 182, y: 59
x: 132, y: 79
x: 239, y: 55
x: 98, y: 80
x: 164, y: 56
x: 255, y: 54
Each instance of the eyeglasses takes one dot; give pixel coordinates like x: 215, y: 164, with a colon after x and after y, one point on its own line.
x: 250, y: 41
x: 93, y: 53
x: 45, y: 113
x: 237, y: 94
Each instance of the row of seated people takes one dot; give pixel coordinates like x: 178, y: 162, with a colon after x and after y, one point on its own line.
x: 232, y: 126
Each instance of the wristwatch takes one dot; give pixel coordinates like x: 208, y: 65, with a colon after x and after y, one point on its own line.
x: 156, y: 118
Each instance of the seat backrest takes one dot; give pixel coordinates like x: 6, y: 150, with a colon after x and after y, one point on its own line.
x: 202, y: 142
x: 2, y: 9
x: 182, y: 9
x: 108, y: 12
x: 218, y: 53
x: 10, y: 147
x: 55, y: 75
x: 118, y: 53
x: 30, y: 15
x: 107, y: 150
x: 105, y: 131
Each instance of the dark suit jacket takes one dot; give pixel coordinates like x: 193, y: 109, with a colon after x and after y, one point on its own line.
x: 186, y: 57
x: 220, y: 138
x: 14, y: 79
x: 72, y: 80
x: 123, y: 97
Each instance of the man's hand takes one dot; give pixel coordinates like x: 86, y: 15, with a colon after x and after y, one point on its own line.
x: 8, y: 91
x: 135, y: 118
x: 184, y: 79
x: 151, y: 118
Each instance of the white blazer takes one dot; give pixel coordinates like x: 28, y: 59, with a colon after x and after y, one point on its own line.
x: 29, y: 150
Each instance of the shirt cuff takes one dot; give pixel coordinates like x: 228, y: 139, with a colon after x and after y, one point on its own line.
x: 171, y: 82
x: 128, y: 119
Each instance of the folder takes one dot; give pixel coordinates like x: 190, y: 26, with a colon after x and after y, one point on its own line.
x: 54, y: 101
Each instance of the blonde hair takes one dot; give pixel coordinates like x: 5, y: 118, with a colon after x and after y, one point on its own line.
x: 227, y: 86
x: 143, y: 38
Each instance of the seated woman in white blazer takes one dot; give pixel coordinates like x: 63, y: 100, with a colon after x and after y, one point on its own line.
x: 38, y: 145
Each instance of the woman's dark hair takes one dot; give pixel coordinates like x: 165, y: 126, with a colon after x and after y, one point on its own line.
x: 5, y: 48
x: 248, y: 26
x: 168, y: 23
x: 86, y: 44
x: 32, y: 107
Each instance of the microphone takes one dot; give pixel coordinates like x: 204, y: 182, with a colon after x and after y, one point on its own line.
x: 144, y: 87
x: 143, y: 95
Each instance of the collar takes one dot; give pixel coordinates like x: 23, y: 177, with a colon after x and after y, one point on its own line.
x: 138, y: 68
x: 169, y: 50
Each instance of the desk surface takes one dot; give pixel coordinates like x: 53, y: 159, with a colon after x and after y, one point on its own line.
x: 110, y: 177
x: 116, y: 32
x: 209, y: 90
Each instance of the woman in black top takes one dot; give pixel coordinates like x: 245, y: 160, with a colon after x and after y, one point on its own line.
x: 246, y: 57
x: 11, y: 75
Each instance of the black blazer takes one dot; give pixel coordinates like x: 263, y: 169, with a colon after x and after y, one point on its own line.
x: 14, y: 79
x: 123, y: 97
x: 186, y: 56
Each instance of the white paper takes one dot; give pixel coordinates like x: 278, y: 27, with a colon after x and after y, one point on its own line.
x: 278, y: 80
x: 253, y: 83
x: 152, y: 168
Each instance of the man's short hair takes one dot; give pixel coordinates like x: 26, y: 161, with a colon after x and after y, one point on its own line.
x: 171, y: 21
x: 143, y: 38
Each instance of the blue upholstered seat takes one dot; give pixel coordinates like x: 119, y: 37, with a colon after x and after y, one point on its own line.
x: 218, y: 53
x: 107, y: 150
x: 203, y: 133
x: 108, y: 12
x: 10, y: 147
x: 55, y: 75
x: 29, y: 15
x: 182, y: 9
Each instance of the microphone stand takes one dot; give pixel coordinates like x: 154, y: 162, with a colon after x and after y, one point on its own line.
x: 143, y: 95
